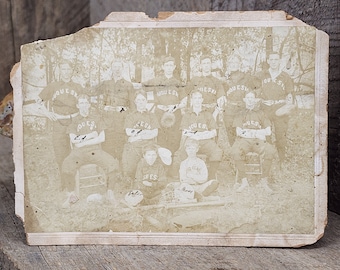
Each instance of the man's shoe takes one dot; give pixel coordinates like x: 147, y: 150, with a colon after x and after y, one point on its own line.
x: 212, y: 185
x: 264, y: 185
x: 244, y: 185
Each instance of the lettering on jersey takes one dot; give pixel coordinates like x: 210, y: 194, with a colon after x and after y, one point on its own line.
x: 252, y: 123
x: 201, y: 126
x: 142, y: 125
x: 65, y: 91
x: 153, y: 177
x: 278, y: 82
x: 167, y: 92
x: 206, y: 89
x: 194, y: 169
x: 89, y: 124
x: 239, y: 87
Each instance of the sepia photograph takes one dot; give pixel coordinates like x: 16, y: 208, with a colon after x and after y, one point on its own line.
x: 170, y: 130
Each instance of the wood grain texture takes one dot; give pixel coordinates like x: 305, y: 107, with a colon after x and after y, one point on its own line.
x: 24, y: 21
x: 7, y: 56
x: 14, y: 254
x: 101, y: 8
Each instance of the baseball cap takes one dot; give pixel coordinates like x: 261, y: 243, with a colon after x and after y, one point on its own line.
x: 205, y: 56
x: 168, y: 59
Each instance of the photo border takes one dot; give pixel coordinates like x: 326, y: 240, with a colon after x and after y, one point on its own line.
x: 204, y: 19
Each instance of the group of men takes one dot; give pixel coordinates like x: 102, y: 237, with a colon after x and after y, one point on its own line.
x: 123, y: 131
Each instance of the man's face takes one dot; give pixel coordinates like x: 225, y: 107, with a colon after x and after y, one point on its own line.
x: 140, y: 102
x: 65, y: 72
x: 206, y: 65
x: 84, y: 106
x: 169, y: 68
x: 150, y: 157
x: 191, y: 150
x: 196, y: 99
x: 250, y: 101
x: 234, y: 64
x: 117, y: 69
x: 274, y: 61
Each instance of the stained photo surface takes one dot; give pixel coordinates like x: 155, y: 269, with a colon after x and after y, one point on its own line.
x: 170, y: 130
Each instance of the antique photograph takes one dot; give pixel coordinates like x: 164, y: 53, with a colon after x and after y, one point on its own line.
x: 170, y: 130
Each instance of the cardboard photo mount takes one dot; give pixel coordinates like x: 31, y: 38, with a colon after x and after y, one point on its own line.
x: 253, y: 218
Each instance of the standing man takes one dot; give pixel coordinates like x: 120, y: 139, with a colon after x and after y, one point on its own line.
x: 211, y: 88
x: 86, y: 135
x: 276, y: 91
x: 199, y: 124
x: 169, y: 98
x: 117, y: 100
x: 252, y: 128
x: 141, y: 128
x: 239, y: 84
x: 60, y: 99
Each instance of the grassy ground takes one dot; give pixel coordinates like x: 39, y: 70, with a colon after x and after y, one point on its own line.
x: 290, y: 209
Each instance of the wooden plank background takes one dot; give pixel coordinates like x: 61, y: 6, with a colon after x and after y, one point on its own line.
x: 23, y: 21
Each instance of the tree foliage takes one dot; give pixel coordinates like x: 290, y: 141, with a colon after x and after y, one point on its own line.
x: 92, y: 51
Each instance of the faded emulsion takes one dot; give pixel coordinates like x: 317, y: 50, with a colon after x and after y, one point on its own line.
x: 170, y: 130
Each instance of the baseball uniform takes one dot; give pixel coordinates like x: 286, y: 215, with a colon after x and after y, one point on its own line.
x: 276, y: 90
x: 210, y: 87
x: 168, y: 92
x: 252, y: 120
x: 193, y: 171
x: 132, y: 152
x: 88, y: 154
x: 115, y: 100
x: 239, y: 84
x: 61, y: 98
x: 154, y: 175
x: 193, y: 122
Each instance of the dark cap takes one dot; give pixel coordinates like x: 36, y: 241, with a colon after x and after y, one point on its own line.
x: 205, y: 56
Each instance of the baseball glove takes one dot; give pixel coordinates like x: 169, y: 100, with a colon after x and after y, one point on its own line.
x: 134, y: 197
x: 168, y: 119
x: 165, y: 155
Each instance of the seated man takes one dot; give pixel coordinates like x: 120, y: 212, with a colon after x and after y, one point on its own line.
x: 199, y: 125
x: 141, y: 127
x: 194, y: 172
x: 86, y: 134
x: 150, y: 175
x: 252, y: 127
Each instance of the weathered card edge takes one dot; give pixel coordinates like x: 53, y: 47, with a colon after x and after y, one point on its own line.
x: 18, y: 155
x: 201, y: 19
x: 163, y: 239
x: 279, y: 240
x: 321, y: 132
